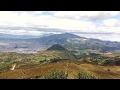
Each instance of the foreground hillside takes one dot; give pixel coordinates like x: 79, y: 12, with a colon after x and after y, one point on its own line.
x: 68, y: 66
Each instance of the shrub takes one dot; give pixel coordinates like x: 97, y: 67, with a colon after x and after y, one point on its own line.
x: 56, y: 75
x: 84, y: 75
x: 108, y: 70
x: 37, y: 77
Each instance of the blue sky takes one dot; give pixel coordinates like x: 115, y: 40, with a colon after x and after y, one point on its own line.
x: 106, y: 23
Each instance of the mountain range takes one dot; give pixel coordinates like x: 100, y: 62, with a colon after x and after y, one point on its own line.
x: 37, y: 57
x: 70, y: 41
x: 74, y: 41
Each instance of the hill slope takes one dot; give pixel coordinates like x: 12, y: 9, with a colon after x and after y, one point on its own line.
x: 57, y: 38
x: 56, y: 47
x: 54, y: 53
x: 65, y: 54
x: 72, y: 67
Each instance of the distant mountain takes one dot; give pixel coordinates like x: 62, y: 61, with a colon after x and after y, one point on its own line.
x: 10, y: 36
x: 75, y: 43
x: 71, y: 42
x: 57, y: 38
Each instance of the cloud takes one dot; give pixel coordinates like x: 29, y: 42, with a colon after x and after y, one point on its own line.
x: 86, y: 15
x: 41, y: 22
x: 107, y: 37
x: 22, y: 32
x: 110, y: 22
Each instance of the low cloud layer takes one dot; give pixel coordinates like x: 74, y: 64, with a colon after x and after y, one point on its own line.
x: 41, y: 22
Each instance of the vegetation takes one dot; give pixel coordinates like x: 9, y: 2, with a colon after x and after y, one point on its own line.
x: 56, y: 47
x: 37, y: 58
x: 65, y: 69
x: 56, y: 75
x: 62, y: 75
x: 84, y: 75
x: 81, y: 60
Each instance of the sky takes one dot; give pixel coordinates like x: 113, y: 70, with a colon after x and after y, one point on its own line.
x: 104, y: 25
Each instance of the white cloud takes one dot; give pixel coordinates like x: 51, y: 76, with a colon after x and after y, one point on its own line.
x: 110, y: 22
x: 86, y: 15
x: 21, y: 32
x: 66, y: 21
x: 110, y: 37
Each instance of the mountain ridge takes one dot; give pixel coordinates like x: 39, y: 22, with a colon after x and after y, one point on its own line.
x: 70, y: 41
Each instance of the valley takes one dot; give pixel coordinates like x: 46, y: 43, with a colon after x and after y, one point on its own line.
x: 72, y: 42
x: 59, y: 56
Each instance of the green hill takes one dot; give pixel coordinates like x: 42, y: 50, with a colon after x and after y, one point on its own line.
x: 63, y: 53
x: 52, y: 54
x: 56, y: 47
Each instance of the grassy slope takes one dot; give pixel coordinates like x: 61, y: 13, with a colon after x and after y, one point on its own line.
x: 72, y: 67
x: 9, y: 58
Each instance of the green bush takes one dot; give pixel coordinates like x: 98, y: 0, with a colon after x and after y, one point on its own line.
x: 83, y: 75
x: 56, y: 75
